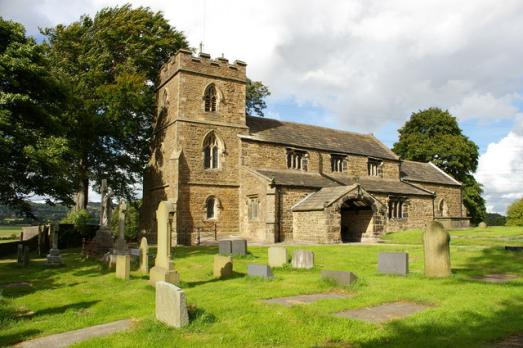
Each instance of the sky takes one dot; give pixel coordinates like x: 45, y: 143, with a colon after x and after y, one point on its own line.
x: 361, y: 65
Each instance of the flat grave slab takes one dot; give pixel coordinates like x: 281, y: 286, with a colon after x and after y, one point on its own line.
x: 512, y: 341
x: 16, y: 285
x: 496, y: 278
x: 303, y: 299
x: 383, y: 313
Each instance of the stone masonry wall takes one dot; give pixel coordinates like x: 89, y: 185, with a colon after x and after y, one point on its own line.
x: 310, y: 226
x: 252, y: 186
x: 451, y: 194
x: 419, y: 211
x: 288, y: 197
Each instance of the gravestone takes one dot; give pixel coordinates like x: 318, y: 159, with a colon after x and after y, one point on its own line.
x: 437, y: 252
x: 54, y: 258
x: 123, y: 266
x: 103, y: 240
x: 163, y: 269
x: 482, y: 224
x: 43, y: 240
x: 144, y: 256
x: 225, y: 247
x: 25, y: 256
x: 393, y: 263
x: 171, y: 307
x: 239, y: 247
x: 278, y: 256
x: 262, y: 271
x: 20, y: 254
x: 222, y: 266
x: 303, y: 259
x: 339, y: 277
x: 121, y: 245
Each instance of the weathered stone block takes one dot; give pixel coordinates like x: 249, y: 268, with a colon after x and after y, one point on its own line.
x: 437, y: 252
x: 303, y: 259
x: 393, y: 263
x: 278, y: 256
x: 225, y: 247
x: 123, y: 266
x: 482, y: 224
x: 239, y: 247
x: 171, y: 306
x: 222, y: 266
x: 262, y: 271
x: 341, y: 278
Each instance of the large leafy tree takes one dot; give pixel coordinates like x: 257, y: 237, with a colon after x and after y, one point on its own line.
x: 112, y: 63
x: 515, y: 213
x: 33, y: 149
x: 255, y: 101
x: 434, y: 135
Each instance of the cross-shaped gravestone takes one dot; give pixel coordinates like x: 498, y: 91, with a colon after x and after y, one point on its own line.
x: 121, y: 244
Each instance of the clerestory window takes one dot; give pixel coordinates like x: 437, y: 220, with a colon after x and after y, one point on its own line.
x: 374, y: 167
x: 297, y: 159
x: 338, y: 163
x: 210, y: 99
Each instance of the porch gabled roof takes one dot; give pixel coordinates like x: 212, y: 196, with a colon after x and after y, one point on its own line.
x: 323, y: 198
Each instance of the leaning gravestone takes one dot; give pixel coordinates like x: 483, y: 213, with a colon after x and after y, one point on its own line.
x: 303, y: 259
x: 339, y: 277
x: 144, y: 256
x: 437, y: 252
x: 278, y: 256
x: 393, y: 263
x: 262, y: 271
x: 222, y: 266
x: 54, y: 258
x: 225, y: 247
x: 163, y: 269
x: 239, y: 247
x: 171, y: 307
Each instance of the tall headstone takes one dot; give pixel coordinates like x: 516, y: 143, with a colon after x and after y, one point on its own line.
x: 437, y: 251
x: 144, y: 256
x: 278, y: 256
x: 103, y: 240
x: 303, y: 259
x: 121, y: 245
x: 163, y: 269
x: 54, y: 258
x: 171, y: 306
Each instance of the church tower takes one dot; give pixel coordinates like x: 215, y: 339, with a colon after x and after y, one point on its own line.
x: 195, y: 153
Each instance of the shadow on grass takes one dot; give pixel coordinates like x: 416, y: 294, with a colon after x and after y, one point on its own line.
x: 62, y: 309
x: 469, y: 329
x: 8, y: 340
x: 181, y: 252
x: 234, y: 275
x: 492, y: 261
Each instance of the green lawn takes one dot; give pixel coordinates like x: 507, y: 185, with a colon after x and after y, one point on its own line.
x: 229, y: 313
x: 9, y: 233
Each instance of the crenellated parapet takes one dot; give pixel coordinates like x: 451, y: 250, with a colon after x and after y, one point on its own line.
x: 202, y: 64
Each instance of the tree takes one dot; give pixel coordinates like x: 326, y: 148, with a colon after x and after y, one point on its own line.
x: 33, y: 149
x: 515, y: 213
x: 495, y: 219
x: 131, y: 220
x: 112, y: 63
x: 256, y: 92
x: 434, y: 135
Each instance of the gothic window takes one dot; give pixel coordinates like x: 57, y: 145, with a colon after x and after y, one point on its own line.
x: 397, y: 208
x: 210, y: 98
x: 443, y: 209
x: 211, y: 152
x: 297, y: 159
x: 374, y: 167
x: 252, y: 208
x: 211, y: 208
x: 338, y: 163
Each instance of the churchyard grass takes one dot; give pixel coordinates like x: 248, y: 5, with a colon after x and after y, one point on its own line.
x: 9, y: 233
x: 463, y: 312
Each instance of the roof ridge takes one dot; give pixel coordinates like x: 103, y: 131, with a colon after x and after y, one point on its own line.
x: 444, y: 173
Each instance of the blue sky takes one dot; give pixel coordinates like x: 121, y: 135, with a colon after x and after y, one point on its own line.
x: 362, y: 65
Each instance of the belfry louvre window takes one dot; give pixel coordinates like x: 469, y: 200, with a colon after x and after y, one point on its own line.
x: 374, y: 167
x: 252, y: 208
x: 338, y: 163
x: 211, y: 152
x: 297, y: 159
x: 210, y: 99
x: 397, y: 208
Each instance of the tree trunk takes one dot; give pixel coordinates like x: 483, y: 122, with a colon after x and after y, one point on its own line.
x: 82, y: 195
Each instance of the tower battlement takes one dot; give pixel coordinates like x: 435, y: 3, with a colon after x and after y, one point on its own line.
x: 202, y: 64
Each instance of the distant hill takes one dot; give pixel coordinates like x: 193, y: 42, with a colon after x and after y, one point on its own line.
x: 44, y: 213
x: 495, y: 219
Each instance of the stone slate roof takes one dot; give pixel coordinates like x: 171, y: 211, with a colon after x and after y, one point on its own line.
x: 379, y: 185
x: 308, y: 136
x: 324, y: 197
x: 426, y: 172
x: 295, y: 178
x: 315, y: 180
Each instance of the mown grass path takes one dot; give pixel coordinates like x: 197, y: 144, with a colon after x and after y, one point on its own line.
x: 230, y: 313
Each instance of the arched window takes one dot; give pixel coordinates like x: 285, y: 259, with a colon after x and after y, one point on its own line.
x: 211, y: 152
x: 211, y: 208
x: 210, y: 99
x: 443, y: 209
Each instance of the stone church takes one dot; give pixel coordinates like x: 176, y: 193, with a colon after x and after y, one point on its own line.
x: 227, y: 174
